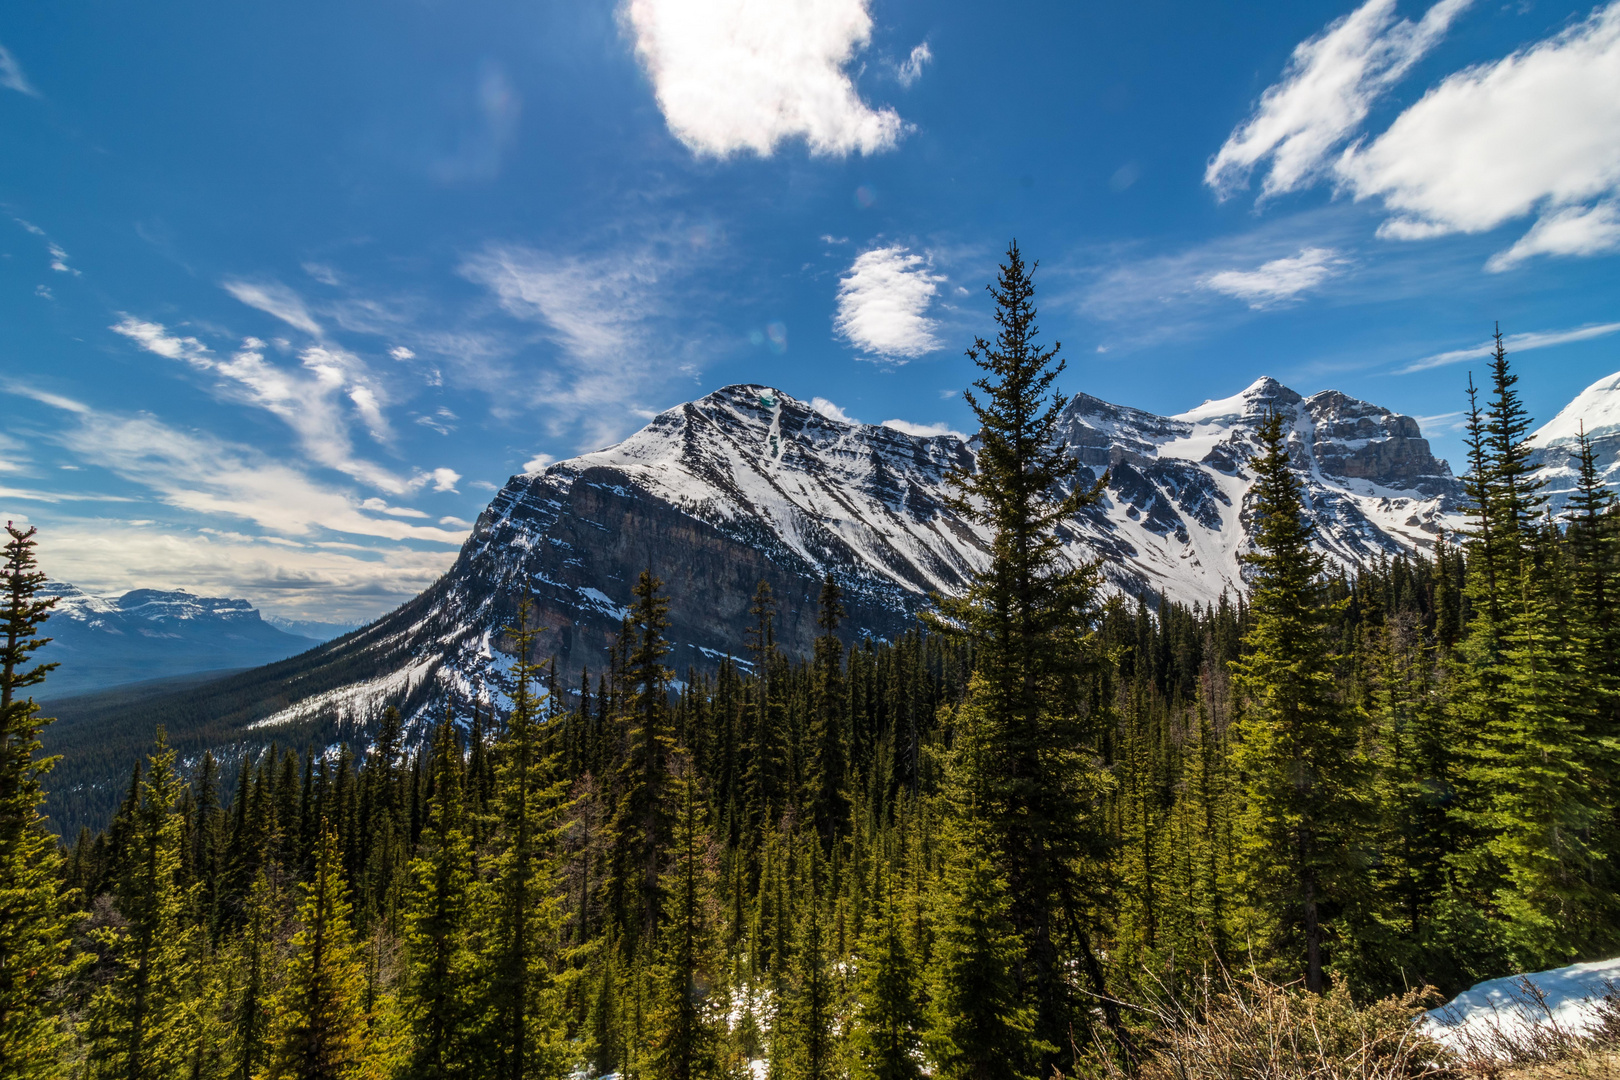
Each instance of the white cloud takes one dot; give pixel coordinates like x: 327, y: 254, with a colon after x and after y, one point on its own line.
x: 911, y: 70
x: 592, y: 306
x: 1324, y: 95
x: 831, y: 411
x: 400, y: 352
x: 59, y: 260
x: 536, y: 465
x: 1537, y: 132
x: 455, y: 523
x: 310, y: 402
x: 924, y: 431
x: 377, y: 506
x: 11, y: 74
x: 275, y: 299
x: 208, y: 476
x: 444, y: 479
x: 735, y: 75
x: 883, y: 303
x: 1277, y: 280
x: 1575, y: 230
x: 322, y: 273
x: 1514, y: 343
x: 293, y: 579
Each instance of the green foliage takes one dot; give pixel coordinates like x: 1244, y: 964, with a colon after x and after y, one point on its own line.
x: 980, y: 1027
x: 1297, y: 741
x: 141, y: 1022
x: 317, y: 1028
x: 36, y: 918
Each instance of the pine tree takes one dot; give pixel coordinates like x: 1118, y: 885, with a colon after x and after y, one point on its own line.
x: 641, y: 824
x: 1027, y: 774
x: 138, y: 1024
x: 684, y: 1041
x: 441, y: 966
x: 979, y: 1027
x: 805, y: 1046
x: 36, y: 920
x: 829, y: 802
x: 524, y: 932
x: 1297, y: 740
x: 888, y: 1019
x: 317, y: 1027
x: 257, y: 959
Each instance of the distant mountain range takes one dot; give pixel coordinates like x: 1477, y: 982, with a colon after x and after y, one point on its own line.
x: 106, y: 641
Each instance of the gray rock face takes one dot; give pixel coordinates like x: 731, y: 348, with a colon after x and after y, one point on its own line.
x: 1352, y: 440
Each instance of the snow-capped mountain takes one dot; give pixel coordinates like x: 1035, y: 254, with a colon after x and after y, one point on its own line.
x: 749, y: 484
x: 105, y: 641
x: 1597, y: 409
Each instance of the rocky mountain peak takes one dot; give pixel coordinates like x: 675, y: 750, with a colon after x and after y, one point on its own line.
x: 1596, y: 410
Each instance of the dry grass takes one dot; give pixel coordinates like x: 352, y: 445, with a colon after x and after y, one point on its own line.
x: 1230, y: 1027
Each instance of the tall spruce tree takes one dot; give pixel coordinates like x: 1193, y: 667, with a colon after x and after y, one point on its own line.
x: 439, y: 996
x: 979, y: 1024
x: 888, y: 1020
x: 684, y: 1042
x: 1298, y: 740
x: 829, y: 754
x: 36, y: 913
x: 524, y: 950
x: 317, y: 1025
x: 1028, y: 775
x: 805, y: 1045
x: 642, y: 819
x: 139, y: 1027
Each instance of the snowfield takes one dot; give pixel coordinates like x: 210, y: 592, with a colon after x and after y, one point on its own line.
x: 1565, y: 1000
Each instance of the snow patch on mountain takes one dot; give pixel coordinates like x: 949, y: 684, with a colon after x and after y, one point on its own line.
x: 1556, y: 446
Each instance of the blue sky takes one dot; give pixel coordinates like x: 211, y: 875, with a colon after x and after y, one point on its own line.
x: 287, y: 290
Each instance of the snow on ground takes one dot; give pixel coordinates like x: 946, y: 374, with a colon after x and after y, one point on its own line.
x: 1570, y: 998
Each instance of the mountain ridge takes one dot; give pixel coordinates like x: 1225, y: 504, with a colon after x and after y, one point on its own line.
x: 102, y: 642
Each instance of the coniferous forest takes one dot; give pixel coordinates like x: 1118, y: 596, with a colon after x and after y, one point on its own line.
x: 963, y: 853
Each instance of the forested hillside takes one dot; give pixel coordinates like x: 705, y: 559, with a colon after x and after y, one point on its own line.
x: 961, y: 853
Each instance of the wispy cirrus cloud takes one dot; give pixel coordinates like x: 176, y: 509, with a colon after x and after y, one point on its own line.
x: 911, y: 69
x: 883, y: 304
x: 11, y: 74
x: 1535, y: 339
x: 209, y: 476
x: 274, y: 298
x: 608, y: 315
x: 736, y: 75
x: 1324, y: 96
x: 315, y: 400
x: 1279, y: 280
